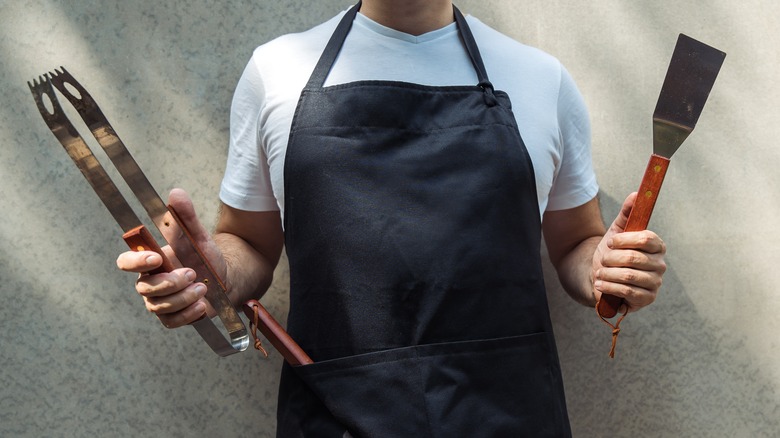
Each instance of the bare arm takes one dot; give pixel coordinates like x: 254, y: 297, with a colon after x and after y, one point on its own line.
x: 591, y: 260
x: 251, y: 243
x: 572, y: 237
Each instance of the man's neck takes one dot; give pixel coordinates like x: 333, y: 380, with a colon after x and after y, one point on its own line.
x: 414, y: 17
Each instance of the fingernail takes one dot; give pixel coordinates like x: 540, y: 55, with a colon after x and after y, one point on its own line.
x: 151, y: 260
x: 190, y: 275
x: 609, y: 242
x: 200, y: 290
x: 597, y: 284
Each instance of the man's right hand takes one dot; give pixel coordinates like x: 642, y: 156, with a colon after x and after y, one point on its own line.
x: 175, y: 297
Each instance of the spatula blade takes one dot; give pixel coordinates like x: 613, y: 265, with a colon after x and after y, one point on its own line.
x: 689, y: 79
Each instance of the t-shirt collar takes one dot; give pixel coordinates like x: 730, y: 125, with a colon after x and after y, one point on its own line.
x: 375, y: 27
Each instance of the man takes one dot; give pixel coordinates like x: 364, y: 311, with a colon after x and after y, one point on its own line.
x: 409, y: 192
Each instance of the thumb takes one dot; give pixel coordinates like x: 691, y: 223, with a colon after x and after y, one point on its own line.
x: 204, y: 254
x: 622, y: 218
x: 181, y: 204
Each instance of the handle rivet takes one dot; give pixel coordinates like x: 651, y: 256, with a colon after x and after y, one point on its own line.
x: 649, y: 194
x: 657, y: 168
x: 139, y: 248
x: 205, y: 281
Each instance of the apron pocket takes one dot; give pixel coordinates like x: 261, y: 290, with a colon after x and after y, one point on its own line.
x: 495, y: 387
x: 371, y: 395
x: 504, y: 387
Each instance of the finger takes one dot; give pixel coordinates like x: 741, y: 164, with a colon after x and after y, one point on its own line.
x: 138, y: 261
x: 626, y: 258
x: 622, y: 218
x: 645, y: 241
x: 181, y: 203
x: 635, y: 297
x: 633, y: 278
x: 164, y: 284
x: 176, y: 301
x: 183, y: 317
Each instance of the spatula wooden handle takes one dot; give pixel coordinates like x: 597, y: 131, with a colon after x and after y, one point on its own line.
x: 639, y: 217
x: 648, y: 193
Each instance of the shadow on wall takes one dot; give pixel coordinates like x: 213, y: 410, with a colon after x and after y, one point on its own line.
x: 79, y: 354
x: 673, y: 374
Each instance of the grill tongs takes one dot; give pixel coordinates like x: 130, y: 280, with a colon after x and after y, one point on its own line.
x: 164, y: 218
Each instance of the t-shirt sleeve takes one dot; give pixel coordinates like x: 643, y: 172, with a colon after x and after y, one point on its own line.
x: 246, y: 184
x: 575, y: 182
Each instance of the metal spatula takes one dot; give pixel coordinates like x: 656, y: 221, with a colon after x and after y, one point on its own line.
x: 689, y: 79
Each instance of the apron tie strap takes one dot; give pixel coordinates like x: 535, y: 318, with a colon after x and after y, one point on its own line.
x: 615, y: 329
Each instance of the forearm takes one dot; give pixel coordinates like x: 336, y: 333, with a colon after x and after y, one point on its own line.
x: 572, y: 237
x: 249, y: 273
x: 250, y: 243
x: 575, y: 271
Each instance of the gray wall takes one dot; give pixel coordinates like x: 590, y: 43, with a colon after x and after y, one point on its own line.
x: 80, y: 356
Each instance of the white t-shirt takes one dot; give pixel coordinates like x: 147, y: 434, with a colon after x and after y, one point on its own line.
x: 550, y: 112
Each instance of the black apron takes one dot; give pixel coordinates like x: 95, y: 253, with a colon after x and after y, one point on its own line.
x: 413, y: 234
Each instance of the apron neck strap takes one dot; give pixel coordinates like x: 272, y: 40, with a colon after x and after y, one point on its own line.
x: 328, y: 57
x: 472, y: 49
x: 331, y: 52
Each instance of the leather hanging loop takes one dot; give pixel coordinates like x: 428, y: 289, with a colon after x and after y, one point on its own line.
x: 253, y: 325
x: 615, y: 329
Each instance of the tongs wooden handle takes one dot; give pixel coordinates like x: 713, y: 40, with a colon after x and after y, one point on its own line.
x: 140, y: 239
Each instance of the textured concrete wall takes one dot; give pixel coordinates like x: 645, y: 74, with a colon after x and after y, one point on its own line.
x: 80, y: 357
